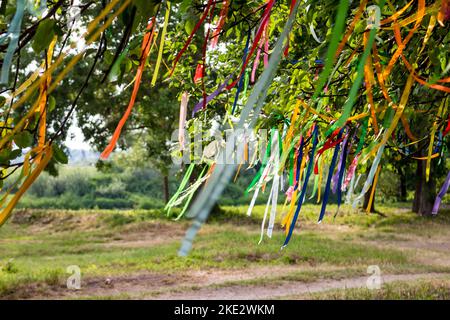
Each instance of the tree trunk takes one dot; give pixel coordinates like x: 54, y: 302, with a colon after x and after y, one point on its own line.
x: 166, y: 188
x: 216, y: 210
x: 367, y: 198
x: 402, y: 194
x: 425, y: 192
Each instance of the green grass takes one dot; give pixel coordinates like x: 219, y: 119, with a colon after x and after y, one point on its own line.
x: 393, y: 215
x: 399, y: 290
x: 37, y: 246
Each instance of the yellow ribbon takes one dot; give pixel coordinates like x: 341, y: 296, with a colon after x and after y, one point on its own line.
x: 6, y: 212
x: 43, y: 100
x: 430, y: 146
x: 372, y: 193
x: 161, y: 44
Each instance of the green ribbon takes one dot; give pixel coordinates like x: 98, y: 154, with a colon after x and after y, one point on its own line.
x: 183, y: 183
x: 363, y: 136
x: 335, y: 38
x: 264, y: 163
x: 249, y: 114
x: 189, y: 199
x: 347, y: 109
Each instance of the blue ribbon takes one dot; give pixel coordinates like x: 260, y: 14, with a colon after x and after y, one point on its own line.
x: 241, y: 79
x: 305, y: 184
x: 299, y: 163
x: 330, y: 175
x: 13, y: 34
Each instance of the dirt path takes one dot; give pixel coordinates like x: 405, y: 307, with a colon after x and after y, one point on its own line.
x: 285, y: 289
x: 432, y: 252
x: 212, y: 285
x: 148, y: 283
x: 256, y: 281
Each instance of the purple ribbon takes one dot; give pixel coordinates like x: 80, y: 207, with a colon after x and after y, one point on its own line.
x: 199, y: 105
x: 341, y: 163
x: 441, y: 194
x: 341, y: 172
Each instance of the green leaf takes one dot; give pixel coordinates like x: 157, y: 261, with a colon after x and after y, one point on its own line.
x: 51, y: 104
x: 184, y: 6
x: 44, y: 35
x: 189, y: 26
x: 23, y: 139
x: 15, y: 154
x: 6, y: 155
x: 146, y: 8
x: 59, y: 155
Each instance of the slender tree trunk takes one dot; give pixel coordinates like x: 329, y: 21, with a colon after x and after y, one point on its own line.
x: 402, y: 194
x: 367, y: 198
x: 166, y: 188
x: 216, y: 209
x: 425, y: 192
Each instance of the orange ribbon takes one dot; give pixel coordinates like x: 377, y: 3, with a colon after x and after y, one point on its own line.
x: 145, y: 50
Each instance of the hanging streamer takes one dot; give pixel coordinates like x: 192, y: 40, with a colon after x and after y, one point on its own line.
x: 335, y: 179
x: 6, y: 212
x: 330, y: 174
x: 191, y: 36
x: 145, y: 50
x: 372, y: 192
x: 441, y: 194
x: 356, y: 82
x: 42, y: 129
x: 430, y: 146
x: 182, y: 121
x: 331, y: 52
x: 305, y: 184
x: 13, y: 35
x: 183, y: 183
x: 241, y: 79
x: 341, y: 169
x: 161, y: 44
x: 209, y: 98
x: 222, y: 19
x: 273, y: 196
x: 264, y: 21
x: 222, y: 174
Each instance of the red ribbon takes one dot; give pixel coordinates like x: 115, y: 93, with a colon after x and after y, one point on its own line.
x: 264, y: 21
x: 328, y: 144
x: 188, y: 42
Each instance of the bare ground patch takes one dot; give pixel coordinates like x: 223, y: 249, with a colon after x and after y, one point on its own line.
x: 288, y: 288
x: 147, y: 233
x: 219, y: 283
x: 149, y: 284
x: 433, y: 251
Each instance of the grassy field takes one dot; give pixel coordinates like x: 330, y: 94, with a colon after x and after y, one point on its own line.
x: 133, y: 254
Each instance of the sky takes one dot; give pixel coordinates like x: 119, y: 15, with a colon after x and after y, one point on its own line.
x: 75, y: 138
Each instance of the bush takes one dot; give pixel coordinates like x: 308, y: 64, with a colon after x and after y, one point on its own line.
x: 114, y: 190
x: 132, y: 188
x: 106, y: 203
x: 147, y: 203
x: 75, y: 203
